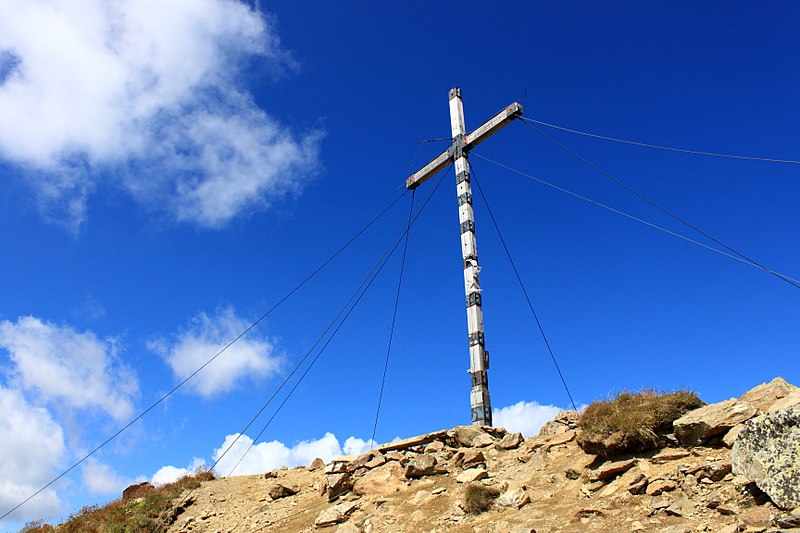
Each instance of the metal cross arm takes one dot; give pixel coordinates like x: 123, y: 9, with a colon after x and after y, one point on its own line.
x: 471, y: 140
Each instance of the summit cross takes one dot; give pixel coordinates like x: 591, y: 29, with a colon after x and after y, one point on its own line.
x: 457, y: 152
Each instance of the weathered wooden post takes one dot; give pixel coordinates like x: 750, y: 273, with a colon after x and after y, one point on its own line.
x: 462, y: 143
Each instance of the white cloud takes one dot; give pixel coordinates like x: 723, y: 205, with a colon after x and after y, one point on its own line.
x: 524, y: 417
x: 101, y: 478
x: 73, y: 369
x: 355, y: 446
x: 265, y: 456
x: 168, y: 474
x: 249, y: 357
x: 145, y: 94
x: 32, y: 448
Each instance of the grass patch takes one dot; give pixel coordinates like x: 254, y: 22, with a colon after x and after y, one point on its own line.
x: 633, y: 421
x: 137, y: 515
x: 479, y: 498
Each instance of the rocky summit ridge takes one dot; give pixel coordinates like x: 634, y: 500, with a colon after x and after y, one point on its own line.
x: 728, y: 467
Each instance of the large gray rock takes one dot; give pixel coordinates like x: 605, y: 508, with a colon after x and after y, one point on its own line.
x: 698, y: 426
x: 767, y: 451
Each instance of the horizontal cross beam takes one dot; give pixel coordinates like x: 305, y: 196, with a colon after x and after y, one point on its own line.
x: 473, y: 139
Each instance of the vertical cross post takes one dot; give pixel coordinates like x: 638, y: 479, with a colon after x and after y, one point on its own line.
x: 478, y: 356
x: 462, y: 142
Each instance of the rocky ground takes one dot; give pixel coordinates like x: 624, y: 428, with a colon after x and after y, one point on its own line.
x: 546, y: 483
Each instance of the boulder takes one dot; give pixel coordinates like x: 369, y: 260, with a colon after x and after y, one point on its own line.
x: 730, y: 436
x: 381, y: 481
x: 405, y: 444
x: 765, y: 395
x: 563, y: 422
x: 698, y: 426
x: 376, y: 461
x: 789, y: 400
x: 559, y: 439
x: 613, y: 469
x: 471, y: 475
x: 515, y: 498
x: 348, y: 527
x: 718, y: 471
x: 471, y: 437
x: 510, y: 441
x: 767, y: 452
x: 638, y: 484
x: 336, y: 484
x: 670, y: 454
x: 470, y: 457
x: 658, y: 486
x: 336, y: 514
x: 397, y: 456
x: 423, y: 464
x: 757, y: 517
x: 138, y: 491
x: 681, y: 506
x: 789, y: 521
x: 435, y: 446
x: 282, y: 490
x: 368, y: 460
x: 338, y: 466
x: 316, y: 464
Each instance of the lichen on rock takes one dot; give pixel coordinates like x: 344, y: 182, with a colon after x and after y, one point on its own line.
x: 767, y: 451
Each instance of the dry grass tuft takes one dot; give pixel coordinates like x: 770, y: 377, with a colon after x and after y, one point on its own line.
x: 138, y: 515
x: 633, y: 421
x: 479, y: 498
x: 39, y: 526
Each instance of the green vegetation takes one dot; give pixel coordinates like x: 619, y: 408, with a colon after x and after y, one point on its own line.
x: 479, y: 498
x: 132, y: 515
x: 633, y: 421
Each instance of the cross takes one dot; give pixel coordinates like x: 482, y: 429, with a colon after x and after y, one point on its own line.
x: 462, y: 143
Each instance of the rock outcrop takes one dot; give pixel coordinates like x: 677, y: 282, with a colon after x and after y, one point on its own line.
x: 138, y: 490
x: 545, y: 483
x: 715, y: 420
x: 767, y: 452
x: 699, y: 426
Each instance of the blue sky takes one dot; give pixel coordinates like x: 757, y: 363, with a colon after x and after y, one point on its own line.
x: 169, y: 173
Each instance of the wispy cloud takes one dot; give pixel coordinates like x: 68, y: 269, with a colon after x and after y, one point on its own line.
x: 250, y: 357
x: 147, y: 96
x: 67, y: 368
